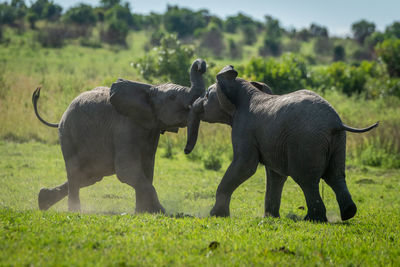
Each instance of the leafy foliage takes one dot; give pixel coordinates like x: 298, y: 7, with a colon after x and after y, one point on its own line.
x: 170, y: 62
x: 362, y: 29
x: 183, y: 21
x: 389, y: 51
x: 283, y: 76
x: 81, y: 14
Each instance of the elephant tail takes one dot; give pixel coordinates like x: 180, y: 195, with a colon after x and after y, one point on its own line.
x: 35, y: 98
x: 357, y: 130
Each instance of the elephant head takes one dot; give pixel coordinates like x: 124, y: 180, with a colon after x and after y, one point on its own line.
x: 215, y: 106
x: 164, y: 106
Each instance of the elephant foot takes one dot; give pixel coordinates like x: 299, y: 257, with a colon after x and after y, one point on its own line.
x: 219, y: 212
x: 148, y: 204
x: 45, y: 198
x: 271, y: 214
x: 150, y: 209
x: 316, y: 218
x: 348, y: 212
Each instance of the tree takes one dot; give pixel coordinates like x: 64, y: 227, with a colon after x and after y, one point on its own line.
x: 7, y: 14
x: 389, y: 51
x: 213, y: 39
x: 81, y: 14
x: 272, y: 39
x: 183, y: 21
x: 339, y: 53
x: 107, y: 4
x: 318, y: 31
x: 235, y: 49
x: 393, y: 30
x: 362, y: 29
x: 233, y: 23
x: 249, y: 34
x: 45, y: 9
x: 119, y: 13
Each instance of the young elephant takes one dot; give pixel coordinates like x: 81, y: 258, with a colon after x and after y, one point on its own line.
x: 297, y: 134
x: 116, y: 130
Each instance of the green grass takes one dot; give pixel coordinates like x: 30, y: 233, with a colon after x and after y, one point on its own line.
x: 107, y: 232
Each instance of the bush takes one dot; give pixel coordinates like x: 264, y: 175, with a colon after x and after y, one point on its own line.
x: 339, y: 53
x: 212, y: 39
x: 283, y: 76
x: 235, y: 49
x: 170, y: 62
x: 115, y: 32
x: 51, y: 36
x: 389, y: 51
x: 343, y: 77
x: 378, y: 154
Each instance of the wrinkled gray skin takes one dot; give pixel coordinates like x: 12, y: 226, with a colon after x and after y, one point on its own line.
x: 116, y: 130
x: 297, y: 134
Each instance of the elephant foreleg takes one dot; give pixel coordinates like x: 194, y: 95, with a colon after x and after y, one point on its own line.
x: 130, y: 171
x: 273, y: 193
x: 239, y: 171
x: 48, y: 197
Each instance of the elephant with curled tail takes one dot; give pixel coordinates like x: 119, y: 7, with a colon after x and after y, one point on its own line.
x: 116, y: 130
x: 297, y: 134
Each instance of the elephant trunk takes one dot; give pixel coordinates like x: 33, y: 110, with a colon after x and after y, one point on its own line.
x: 193, y: 124
x: 197, y: 84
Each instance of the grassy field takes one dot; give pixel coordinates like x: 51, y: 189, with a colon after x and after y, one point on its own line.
x: 107, y: 232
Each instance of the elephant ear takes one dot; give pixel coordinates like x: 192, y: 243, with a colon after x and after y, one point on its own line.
x: 262, y: 87
x: 132, y: 99
x: 224, y: 102
x: 226, y: 94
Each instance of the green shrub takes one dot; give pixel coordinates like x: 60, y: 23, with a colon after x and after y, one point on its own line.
x: 376, y: 153
x: 283, y: 76
x: 170, y: 62
x: 389, y: 51
x: 343, y: 77
x: 115, y: 32
x: 51, y: 36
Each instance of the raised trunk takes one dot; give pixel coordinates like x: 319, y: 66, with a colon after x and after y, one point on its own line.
x: 193, y: 124
x: 197, y: 84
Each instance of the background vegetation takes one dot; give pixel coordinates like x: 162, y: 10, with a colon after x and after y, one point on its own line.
x: 71, y: 51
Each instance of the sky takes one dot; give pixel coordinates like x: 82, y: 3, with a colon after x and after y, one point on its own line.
x: 336, y: 15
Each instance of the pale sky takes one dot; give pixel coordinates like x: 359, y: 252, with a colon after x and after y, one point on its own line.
x: 337, y: 15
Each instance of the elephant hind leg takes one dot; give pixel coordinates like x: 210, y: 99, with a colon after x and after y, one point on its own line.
x: 273, y: 193
x: 316, y: 210
x: 335, y: 177
x: 50, y: 196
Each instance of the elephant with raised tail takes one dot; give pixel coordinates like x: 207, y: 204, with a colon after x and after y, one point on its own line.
x: 297, y: 134
x: 116, y: 130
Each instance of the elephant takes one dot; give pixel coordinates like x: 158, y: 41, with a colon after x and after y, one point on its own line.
x: 116, y: 130
x: 297, y: 134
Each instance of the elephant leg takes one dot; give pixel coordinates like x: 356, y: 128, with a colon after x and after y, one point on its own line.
x: 129, y: 170
x: 239, y: 171
x: 76, y: 180
x: 335, y: 178
x: 48, y: 197
x: 316, y: 210
x: 273, y: 193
